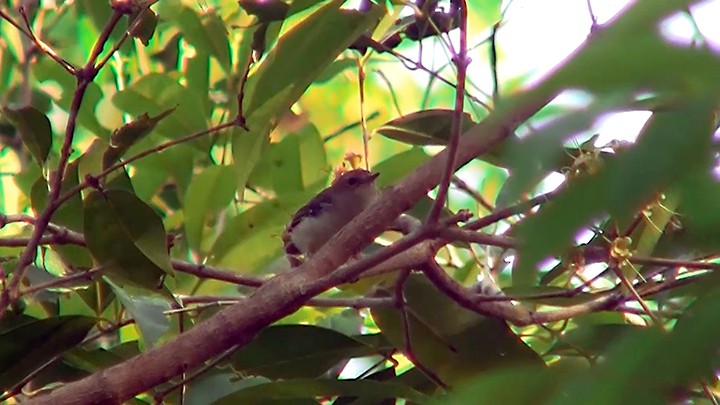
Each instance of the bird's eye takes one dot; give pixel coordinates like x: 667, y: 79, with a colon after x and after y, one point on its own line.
x: 352, y: 181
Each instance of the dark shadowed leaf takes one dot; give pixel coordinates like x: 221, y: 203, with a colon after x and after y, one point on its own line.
x: 92, y: 360
x: 593, y: 339
x: 92, y: 162
x: 265, y: 11
x: 522, y: 385
x: 649, y: 365
x: 313, y: 351
x: 126, y: 136
x: 35, y: 130
x: 26, y: 347
x: 158, y: 92
x: 69, y: 215
x: 426, y: 127
x: 451, y: 341
x: 127, y: 238
x: 673, y: 142
x: 294, y: 390
x: 142, y: 25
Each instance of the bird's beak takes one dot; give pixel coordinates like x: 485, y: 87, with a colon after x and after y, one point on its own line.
x: 375, y: 175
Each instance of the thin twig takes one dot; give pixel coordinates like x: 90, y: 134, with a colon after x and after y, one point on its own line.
x: 593, y: 18
x: 96, y: 51
x: 349, y: 126
x: 86, y: 275
x: 493, y: 63
x: 203, y: 271
x: 510, y: 211
x: 629, y: 287
x: 350, y: 302
x: 363, y: 122
x: 419, y: 66
x: 462, y: 185
x: 401, y: 305
x: 461, y: 61
x: 84, y: 76
x: 459, y: 234
x: 45, y: 48
x: 159, y: 148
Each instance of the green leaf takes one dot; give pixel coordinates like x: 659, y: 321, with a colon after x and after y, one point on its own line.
x: 265, y: 11
x: 532, y: 158
x: 593, y: 340
x: 97, y: 12
x: 209, y: 192
x: 100, y: 358
x: 251, y: 239
x: 207, y: 34
x: 197, y: 74
x: 92, y: 162
x: 35, y: 130
x: 313, y: 351
x: 451, y: 341
x: 248, y: 147
x: 263, y: 222
x: 158, y: 92
x: 178, y: 163
x: 700, y: 193
x: 308, y: 48
x: 148, y: 311
x: 69, y: 215
x: 295, y: 164
x: 127, y: 238
x: 425, y: 127
x: 124, y: 137
x: 294, y: 390
x: 212, y: 386
x: 48, y: 70
x: 25, y: 348
x: 649, y: 366
x: 396, y: 167
x: 659, y: 158
x: 521, y: 385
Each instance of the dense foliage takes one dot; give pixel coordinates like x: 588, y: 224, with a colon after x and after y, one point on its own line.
x: 153, y: 151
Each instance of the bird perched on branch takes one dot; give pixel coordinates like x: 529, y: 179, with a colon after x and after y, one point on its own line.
x: 326, y: 213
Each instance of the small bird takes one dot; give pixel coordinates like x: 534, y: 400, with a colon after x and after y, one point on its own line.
x: 326, y: 213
